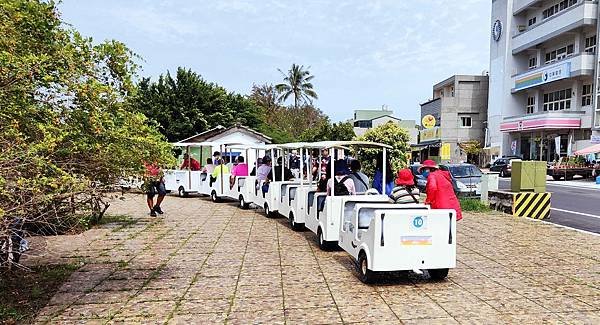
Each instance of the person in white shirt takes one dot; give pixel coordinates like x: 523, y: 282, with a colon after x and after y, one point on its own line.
x: 341, y: 176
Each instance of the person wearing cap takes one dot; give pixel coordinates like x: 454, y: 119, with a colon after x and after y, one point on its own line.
x: 295, y: 163
x: 341, y: 176
x: 439, y: 189
x: 405, y: 190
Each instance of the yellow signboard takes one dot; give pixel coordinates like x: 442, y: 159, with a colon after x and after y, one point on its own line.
x: 428, y: 121
x: 430, y: 134
x: 445, y: 151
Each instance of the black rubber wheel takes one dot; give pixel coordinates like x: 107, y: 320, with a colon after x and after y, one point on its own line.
x: 364, y: 274
x: 295, y: 226
x: 214, y: 197
x: 243, y: 203
x: 502, y: 174
x: 556, y: 178
x: 268, y: 212
x: 181, y: 192
x: 323, y: 244
x: 438, y: 274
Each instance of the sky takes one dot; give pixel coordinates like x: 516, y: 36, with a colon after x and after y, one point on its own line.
x: 363, y: 54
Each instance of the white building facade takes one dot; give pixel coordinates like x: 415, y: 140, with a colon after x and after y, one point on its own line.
x: 543, y: 78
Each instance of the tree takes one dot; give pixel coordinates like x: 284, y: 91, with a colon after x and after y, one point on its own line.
x: 68, y: 133
x: 186, y: 105
x: 266, y: 97
x: 326, y: 131
x: 297, y: 83
x: 391, y: 134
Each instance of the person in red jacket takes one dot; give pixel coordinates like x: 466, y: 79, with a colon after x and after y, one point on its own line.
x: 439, y: 189
x: 190, y: 162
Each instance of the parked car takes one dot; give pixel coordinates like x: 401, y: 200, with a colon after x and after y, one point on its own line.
x: 503, y: 165
x: 420, y: 180
x: 466, y: 179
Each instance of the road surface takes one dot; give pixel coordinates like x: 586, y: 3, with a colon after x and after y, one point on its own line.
x: 573, y: 207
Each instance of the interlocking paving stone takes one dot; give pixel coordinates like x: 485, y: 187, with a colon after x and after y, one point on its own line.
x: 206, y: 263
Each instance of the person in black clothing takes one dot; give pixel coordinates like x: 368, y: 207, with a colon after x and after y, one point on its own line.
x: 275, y: 173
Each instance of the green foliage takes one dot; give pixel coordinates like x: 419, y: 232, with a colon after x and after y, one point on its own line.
x: 325, y: 131
x: 473, y: 205
x: 68, y: 131
x: 186, y: 105
x: 297, y: 83
x: 471, y: 147
x: 391, y: 134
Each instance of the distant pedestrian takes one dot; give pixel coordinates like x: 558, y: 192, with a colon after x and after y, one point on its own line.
x: 154, y: 184
x: 439, y: 189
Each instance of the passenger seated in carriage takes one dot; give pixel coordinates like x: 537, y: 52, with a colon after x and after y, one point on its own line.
x: 361, y: 181
x: 189, y: 162
x: 405, y: 191
x: 209, y: 167
x: 219, y: 169
x: 341, y: 183
x: 275, y: 173
x: 240, y: 169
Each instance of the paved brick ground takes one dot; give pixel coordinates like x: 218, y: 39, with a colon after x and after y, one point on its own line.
x: 214, y: 263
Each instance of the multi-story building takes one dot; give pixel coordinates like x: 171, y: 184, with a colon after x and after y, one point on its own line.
x: 459, y: 106
x: 365, y: 119
x: 543, y: 63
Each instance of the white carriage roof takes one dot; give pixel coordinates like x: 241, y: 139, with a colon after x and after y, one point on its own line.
x: 342, y: 144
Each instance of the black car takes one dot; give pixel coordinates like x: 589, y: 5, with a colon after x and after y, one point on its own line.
x: 503, y: 166
x: 420, y: 180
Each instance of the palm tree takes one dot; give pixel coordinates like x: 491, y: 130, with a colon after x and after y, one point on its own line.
x: 297, y: 83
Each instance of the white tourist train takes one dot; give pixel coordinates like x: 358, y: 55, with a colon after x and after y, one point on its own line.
x: 380, y: 235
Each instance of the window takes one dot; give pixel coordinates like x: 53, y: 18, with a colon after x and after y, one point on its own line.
x: 586, y: 95
x: 590, y: 44
x: 363, y: 124
x: 531, y: 21
x: 555, y: 9
x: 530, y: 105
x: 559, y: 53
x: 442, y: 93
x: 452, y: 91
x: 465, y: 121
x: 532, y: 63
x: 557, y: 100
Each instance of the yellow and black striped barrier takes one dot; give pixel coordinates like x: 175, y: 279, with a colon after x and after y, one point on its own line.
x: 531, y: 205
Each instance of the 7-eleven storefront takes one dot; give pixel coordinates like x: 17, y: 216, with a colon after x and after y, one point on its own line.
x: 545, y: 136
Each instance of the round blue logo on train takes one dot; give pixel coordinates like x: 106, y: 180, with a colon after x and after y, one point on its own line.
x: 418, y: 222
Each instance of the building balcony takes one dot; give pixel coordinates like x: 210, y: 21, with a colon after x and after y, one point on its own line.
x: 565, y: 119
x: 579, y: 65
x: 581, y: 14
x: 520, y: 5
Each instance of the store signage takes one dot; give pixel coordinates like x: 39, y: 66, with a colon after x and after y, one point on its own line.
x: 428, y: 121
x: 543, y: 76
x: 595, y: 139
x: 445, y: 152
x: 430, y: 134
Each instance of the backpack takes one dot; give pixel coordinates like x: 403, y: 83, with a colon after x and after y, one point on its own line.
x: 339, y: 188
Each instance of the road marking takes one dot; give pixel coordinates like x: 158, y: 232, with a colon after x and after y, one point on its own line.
x: 561, y: 226
x: 575, y: 212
